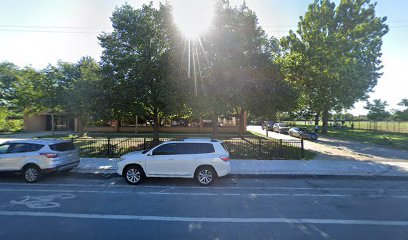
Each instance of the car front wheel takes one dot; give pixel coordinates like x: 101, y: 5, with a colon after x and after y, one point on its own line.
x: 32, y: 174
x: 205, y: 176
x: 133, y: 175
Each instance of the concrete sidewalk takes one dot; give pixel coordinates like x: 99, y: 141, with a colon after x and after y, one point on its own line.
x: 279, y: 167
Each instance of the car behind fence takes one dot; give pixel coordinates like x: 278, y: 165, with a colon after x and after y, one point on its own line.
x: 240, y: 148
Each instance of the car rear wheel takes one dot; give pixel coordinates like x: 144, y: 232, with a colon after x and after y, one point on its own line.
x: 32, y: 174
x: 205, y: 176
x: 133, y: 175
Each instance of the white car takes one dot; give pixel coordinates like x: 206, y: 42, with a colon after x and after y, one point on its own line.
x: 35, y: 157
x: 202, y: 159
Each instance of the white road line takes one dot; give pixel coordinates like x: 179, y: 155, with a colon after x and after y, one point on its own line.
x: 206, y: 219
x: 204, y: 194
x: 213, y: 187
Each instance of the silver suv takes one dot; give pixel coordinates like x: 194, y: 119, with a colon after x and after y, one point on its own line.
x: 35, y: 157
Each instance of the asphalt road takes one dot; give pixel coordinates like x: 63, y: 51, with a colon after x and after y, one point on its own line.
x: 96, y: 207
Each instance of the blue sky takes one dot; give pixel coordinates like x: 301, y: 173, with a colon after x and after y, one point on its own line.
x: 40, y: 32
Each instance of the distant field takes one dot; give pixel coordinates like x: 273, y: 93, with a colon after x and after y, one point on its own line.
x: 385, y: 126
x: 380, y: 137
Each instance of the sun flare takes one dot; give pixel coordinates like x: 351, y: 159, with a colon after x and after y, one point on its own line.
x: 192, y: 17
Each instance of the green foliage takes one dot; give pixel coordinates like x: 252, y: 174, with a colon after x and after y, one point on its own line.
x: 136, y: 62
x: 402, y: 115
x: 9, y: 75
x: 376, y: 110
x: 9, y: 125
x: 334, y: 56
x: 239, y: 70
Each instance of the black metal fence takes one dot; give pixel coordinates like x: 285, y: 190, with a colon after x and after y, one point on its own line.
x: 239, y: 148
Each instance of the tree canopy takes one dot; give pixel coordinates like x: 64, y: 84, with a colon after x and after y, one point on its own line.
x: 334, y: 56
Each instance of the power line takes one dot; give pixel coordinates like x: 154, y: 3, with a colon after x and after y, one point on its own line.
x: 45, y: 31
x: 50, y: 27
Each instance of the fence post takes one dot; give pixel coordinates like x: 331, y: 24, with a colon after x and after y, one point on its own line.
x: 144, y: 143
x: 302, y: 149
x: 109, y: 146
x: 281, y: 148
x: 259, y: 147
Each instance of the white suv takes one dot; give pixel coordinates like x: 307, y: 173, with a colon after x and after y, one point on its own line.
x: 202, y: 159
x: 35, y: 157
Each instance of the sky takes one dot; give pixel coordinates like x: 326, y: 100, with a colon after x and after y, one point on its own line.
x: 41, y: 32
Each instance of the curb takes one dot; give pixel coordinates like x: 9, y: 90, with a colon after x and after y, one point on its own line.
x: 269, y: 174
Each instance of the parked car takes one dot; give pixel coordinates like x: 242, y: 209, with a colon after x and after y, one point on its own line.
x: 202, y: 159
x: 268, y: 124
x: 281, y: 128
x: 36, y: 157
x: 303, y: 133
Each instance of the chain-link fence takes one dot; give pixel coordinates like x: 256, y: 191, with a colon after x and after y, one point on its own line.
x: 383, y: 126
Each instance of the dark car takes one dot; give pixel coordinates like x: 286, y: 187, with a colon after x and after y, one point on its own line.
x: 281, y: 128
x: 267, y: 124
x: 303, y: 133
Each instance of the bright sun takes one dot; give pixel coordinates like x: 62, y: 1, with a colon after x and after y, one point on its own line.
x: 192, y: 17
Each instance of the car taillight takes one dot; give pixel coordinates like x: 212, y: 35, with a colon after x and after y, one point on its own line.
x: 225, y: 158
x: 49, y: 155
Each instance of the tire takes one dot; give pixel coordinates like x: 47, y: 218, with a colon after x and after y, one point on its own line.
x: 205, y: 176
x: 133, y: 175
x: 32, y: 174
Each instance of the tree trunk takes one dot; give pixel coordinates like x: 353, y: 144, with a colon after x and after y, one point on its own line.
x: 80, y: 128
x: 317, y: 116
x: 215, y: 127
x: 117, y: 124
x: 83, y: 121
x: 136, y: 122
x: 156, y: 125
x: 325, y: 119
x: 201, y: 123
x: 242, y: 122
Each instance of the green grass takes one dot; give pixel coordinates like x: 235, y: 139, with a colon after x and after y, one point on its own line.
x: 387, y: 139
x: 382, y: 138
x: 385, y: 126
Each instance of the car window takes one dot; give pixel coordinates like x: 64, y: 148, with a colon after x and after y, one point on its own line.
x: 63, y: 146
x: 4, y: 148
x: 166, y: 149
x: 224, y: 146
x: 194, y: 148
x: 25, y: 147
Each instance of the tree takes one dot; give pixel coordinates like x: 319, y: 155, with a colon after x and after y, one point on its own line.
x: 334, y: 56
x: 376, y: 110
x: 136, y: 63
x: 241, y: 73
x: 33, y: 92
x: 81, y: 90
x: 9, y: 76
x: 402, y: 115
